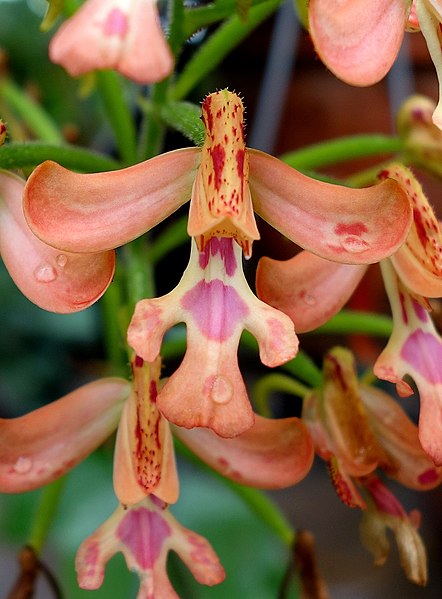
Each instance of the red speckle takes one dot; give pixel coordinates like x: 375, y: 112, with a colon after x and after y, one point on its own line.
x: 218, y: 159
x: 139, y: 361
x: 404, y: 311
x: 420, y: 228
x: 350, y: 229
x: 240, y: 163
x: 153, y: 392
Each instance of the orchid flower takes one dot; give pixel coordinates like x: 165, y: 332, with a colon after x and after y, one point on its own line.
x: 359, y: 41
x: 101, y: 211
x: 145, y: 533
x: 357, y: 430
x: 415, y: 270
x: 37, y: 448
x: 125, y: 35
x: 56, y: 281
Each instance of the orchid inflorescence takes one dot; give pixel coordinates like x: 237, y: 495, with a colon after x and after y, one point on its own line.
x: 61, y: 227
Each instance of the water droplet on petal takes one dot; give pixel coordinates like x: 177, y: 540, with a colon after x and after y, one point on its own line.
x: 310, y: 300
x: 221, y: 390
x: 61, y: 260
x: 45, y: 273
x: 354, y: 245
x: 22, y: 465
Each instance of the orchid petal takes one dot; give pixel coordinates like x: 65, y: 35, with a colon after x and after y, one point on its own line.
x: 145, y: 533
x: 415, y: 349
x: 39, y: 447
x: 419, y: 261
x: 398, y: 435
x: 95, y: 212
x: 307, y: 288
x: 430, y: 18
x: 221, y: 205
x: 273, y: 454
x: 348, y: 36
x: 215, y: 302
x: 355, y: 226
x: 144, y: 460
x: 52, y: 280
x: 122, y: 35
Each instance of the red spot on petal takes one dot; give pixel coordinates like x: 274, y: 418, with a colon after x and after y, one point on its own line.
x: 428, y: 477
x: 350, y: 229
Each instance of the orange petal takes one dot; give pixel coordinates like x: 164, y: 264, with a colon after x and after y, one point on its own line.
x: 354, y: 226
x: 307, y: 288
x: 95, y: 212
x: 271, y: 455
x: 41, y: 446
x: 59, y: 282
x: 356, y: 39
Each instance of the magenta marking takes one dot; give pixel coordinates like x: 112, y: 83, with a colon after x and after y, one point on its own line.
x: 143, y: 532
x: 216, y: 308
x: 384, y: 499
x: 423, y: 351
x: 350, y: 229
x: 139, y: 361
x: 223, y: 246
x: 420, y: 311
x: 428, y: 477
x: 153, y: 391
x: 116, y: 23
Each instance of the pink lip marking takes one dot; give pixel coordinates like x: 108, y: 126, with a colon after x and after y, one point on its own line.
x: 424, y: 352
x: 116, y: 23
x: 223, y: 246
x: 216, y: 308
x: 144, y: 533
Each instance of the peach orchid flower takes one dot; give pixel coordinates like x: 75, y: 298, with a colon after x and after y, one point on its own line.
x: 226, y: 183
x: 124, y: 35
x: 359, y: 41
x: 145, y: 533
x: 357, y: 430
x: 39, y: 447
x: 56, y: 281
x: 311, y: 290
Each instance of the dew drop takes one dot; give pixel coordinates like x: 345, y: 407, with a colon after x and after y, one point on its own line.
x: 45, y: 273
x: 61, y: 260
x: 22, y: 465
x: 221, y: 390
x: 354, y: 245
x: 310, y: 300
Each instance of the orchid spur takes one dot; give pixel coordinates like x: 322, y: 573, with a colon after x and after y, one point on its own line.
x: 359, y: 41
x: 358, y: 430
x: 114, y: 34
x: 226, y: 183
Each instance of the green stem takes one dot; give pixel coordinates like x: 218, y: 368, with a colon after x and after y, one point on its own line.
x: 110, y: 89
x: 45, y: 513
x: 153, y: 128
x: 113, y: 329
x: 170, y: 238
x: 227, y: 37
x: 270, y: 383
x: 256, y: 500
x: 36, y: 119
x: 342, y: 149
x: 28, y: 154
x: 352, y: 322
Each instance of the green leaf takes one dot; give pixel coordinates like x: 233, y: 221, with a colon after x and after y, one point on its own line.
x: 185, y: 117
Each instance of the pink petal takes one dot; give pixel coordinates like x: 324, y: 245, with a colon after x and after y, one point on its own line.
x: 408, y: 463
x: 307, y: 288
x: 96, y: 212
x: 144, y: 460
x: 271, y: 455
x: 419, y: 261
x: 356, y: 39
x: 145, y: 533
x: 121, y: 35
x: 39, y: 447
x: 354, y: 226
x: 59, y: 282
